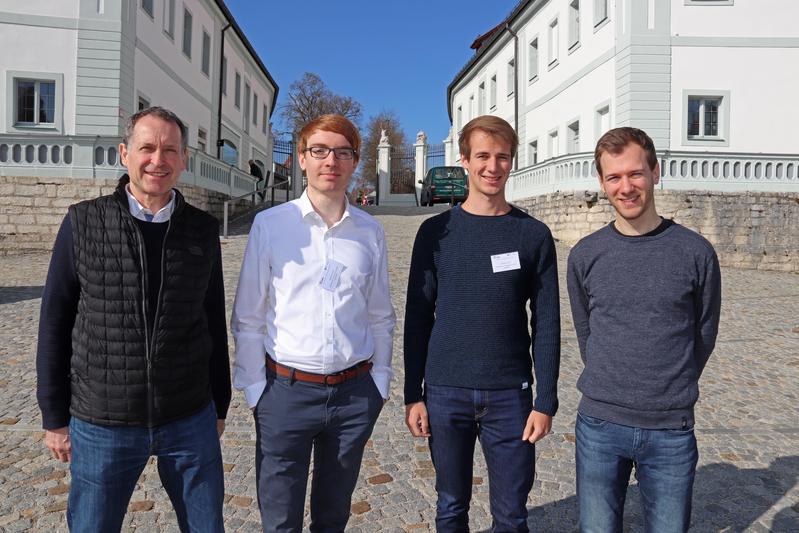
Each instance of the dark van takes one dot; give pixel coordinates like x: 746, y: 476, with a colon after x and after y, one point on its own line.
x: 444, y: 185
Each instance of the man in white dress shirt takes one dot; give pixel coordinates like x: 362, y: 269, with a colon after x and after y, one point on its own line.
x: 313, y: 324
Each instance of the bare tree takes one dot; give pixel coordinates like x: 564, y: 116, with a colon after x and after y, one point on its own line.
x: 385, y: 120
x: 309, y: 97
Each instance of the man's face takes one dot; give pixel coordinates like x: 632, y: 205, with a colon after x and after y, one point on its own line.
x: 629, y: 182
x: 328, y: 175
x: 488, y: 164
x: 155, y: 159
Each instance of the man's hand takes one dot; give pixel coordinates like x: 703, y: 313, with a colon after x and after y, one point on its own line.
x: 220, y: 426
x: 57, y: 441
x: 538, y: 426
x: 416, y: 419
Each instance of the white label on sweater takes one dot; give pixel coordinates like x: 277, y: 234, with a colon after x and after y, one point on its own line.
x: 331, y: 275
x: 505, y: 262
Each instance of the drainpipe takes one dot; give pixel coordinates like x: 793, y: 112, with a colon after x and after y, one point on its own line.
x: 515, y: 89
x: 219, y: 107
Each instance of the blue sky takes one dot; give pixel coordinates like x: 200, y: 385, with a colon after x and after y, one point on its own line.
x: 393, y: 55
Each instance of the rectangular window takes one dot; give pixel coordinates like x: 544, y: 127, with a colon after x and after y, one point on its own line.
x: 202, y: 139
x: 224, y: 75
x: 147, y: 7
x: 511, y: 76
x: 266, y: 119
x: 532, y: 153
x: 144, y: 103
x: 205, y: 63
x: 247, y: 107
x: 471, y: 107
x: 254, y: 108
x: 574, y: 23
x: 709, y: 2
x: 481, y: 99
x: 35, y: 101
x: 532, y: 60
x: 600, y: 12
x: 574, y: 137
x: 492, y: 92
x: 459, y: 123
x: 703, y: 117
x: 602, y: 121
x: 552, y: 148
x: 169, y: 18
x: 554, y: 37
x: 237, y: 95
x: 187, y: 20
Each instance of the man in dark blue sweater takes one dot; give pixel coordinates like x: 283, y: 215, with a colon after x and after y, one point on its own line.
x: 645, y: 296
x: 468, y: 367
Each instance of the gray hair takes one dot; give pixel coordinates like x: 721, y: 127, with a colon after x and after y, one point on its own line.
x: 163, y: 114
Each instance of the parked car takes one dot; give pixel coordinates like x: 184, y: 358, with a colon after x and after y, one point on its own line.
x: 444, y: 185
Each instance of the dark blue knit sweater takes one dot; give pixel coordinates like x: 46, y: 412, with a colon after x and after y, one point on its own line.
x: 466, y: 325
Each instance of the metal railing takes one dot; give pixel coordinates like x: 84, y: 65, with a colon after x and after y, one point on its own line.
x: 679, y: 170
x: 277, y: 183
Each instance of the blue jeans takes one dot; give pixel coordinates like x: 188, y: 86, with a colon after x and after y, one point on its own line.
x: 665, y: 464
x: 294, y: 419
x: 108, y: 460
x: 457, y: 417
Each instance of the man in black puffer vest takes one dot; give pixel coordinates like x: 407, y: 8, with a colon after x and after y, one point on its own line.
x: 132, y: 358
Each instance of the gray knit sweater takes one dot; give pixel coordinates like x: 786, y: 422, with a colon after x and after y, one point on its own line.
x: 646, y: 313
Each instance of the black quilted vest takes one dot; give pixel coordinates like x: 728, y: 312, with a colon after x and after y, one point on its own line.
x: 121, y: 373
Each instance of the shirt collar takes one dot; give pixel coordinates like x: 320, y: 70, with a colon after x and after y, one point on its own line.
x: 139, y: 211
x: 306, y: 208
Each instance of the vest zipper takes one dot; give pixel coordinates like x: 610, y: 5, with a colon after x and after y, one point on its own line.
x: 145, y: 303
x: 151, y: 349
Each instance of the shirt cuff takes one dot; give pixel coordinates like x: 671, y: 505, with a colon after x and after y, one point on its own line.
x: 253, y: 393
x: 382, y: 381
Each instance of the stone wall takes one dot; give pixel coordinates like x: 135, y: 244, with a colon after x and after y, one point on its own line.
x: 31, y: 209
x: 748, y: 229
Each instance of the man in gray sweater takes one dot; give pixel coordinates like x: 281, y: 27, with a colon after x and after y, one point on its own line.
x: 645, y: 296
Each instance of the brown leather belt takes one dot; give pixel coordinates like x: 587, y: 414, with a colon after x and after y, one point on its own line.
x: 321, y: 379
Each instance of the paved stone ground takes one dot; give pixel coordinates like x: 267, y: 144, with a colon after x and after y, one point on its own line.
x: 747, y: 423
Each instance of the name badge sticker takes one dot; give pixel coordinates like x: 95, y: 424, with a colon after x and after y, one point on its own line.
x: 331, y: 275
x: 505, y: 262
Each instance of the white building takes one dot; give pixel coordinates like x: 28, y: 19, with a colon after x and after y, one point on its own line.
x: 713, y: 82
x: 72, y: 72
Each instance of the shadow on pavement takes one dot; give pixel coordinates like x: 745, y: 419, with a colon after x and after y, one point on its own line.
x: 726, y: 498
x: 10, y: 295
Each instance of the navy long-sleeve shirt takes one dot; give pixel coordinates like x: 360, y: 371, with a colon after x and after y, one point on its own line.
x: 57, y: 318
x: 466, y: 323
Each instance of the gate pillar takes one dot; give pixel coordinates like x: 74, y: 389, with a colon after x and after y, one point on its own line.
x: 383, y: 169
x: 421, y: 162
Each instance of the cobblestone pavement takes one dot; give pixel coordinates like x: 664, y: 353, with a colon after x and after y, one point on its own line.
x: 747, y: 423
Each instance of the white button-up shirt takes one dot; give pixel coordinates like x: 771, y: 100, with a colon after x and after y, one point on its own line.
x: 282, y: 308
x: 139, y: 211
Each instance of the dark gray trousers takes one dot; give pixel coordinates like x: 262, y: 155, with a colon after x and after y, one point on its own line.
x: 291, y: 420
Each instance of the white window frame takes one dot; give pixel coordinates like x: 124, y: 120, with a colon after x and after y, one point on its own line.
x: 14, y: 76
x: 573, y: 136
x: 459, y: 119
x: 143, y: 99
x: 237, y: 88
x: 599, y: 111
x: 492, y: 92
x: 533, y: 59
x: 202, y: 139
x: 169, y: 19
x: 246, y: 110
x: 723, y: 137
x: 190, y: 32
x: 553, y: 34
x: 151, y: 12
x: 254, y: 108
x: 205, y: 54
x: 511, y: 78
x: 532, y: 152
x: 553, y: 146
x: 266, y: 119
x: 574, y: 25
x: 471, y: 106
x: 481, y: 98
x: 601, y: 16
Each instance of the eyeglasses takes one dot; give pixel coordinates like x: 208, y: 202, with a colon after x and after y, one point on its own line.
x: 321, y: 152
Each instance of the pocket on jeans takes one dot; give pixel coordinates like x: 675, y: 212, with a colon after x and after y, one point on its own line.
x: 592, y: 421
